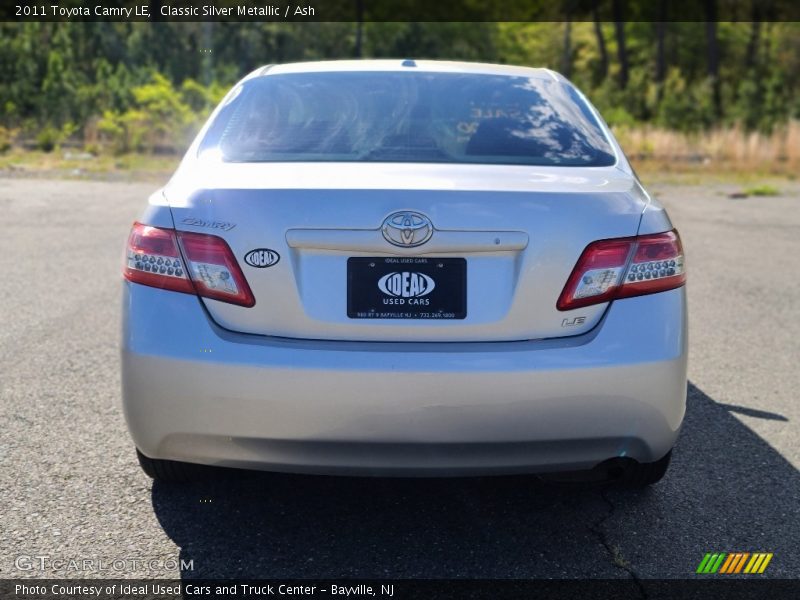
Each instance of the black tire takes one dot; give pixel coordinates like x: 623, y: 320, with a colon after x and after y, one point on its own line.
x: 172, y: 471
x: 641, y: 475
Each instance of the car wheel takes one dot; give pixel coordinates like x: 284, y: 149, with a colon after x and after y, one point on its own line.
x: 644, y: 474
x: 171, y: 470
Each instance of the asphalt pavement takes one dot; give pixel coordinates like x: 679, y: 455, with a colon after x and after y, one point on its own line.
x: 72, y: 489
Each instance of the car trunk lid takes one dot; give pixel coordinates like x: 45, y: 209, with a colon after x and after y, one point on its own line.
x: 317, y: 245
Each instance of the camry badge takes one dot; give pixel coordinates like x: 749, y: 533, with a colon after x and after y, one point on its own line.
x: 407, y: 229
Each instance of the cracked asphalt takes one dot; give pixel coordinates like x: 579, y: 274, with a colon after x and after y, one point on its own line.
x: 72, y: 488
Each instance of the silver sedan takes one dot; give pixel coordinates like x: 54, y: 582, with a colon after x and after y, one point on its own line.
x: 404, y: 268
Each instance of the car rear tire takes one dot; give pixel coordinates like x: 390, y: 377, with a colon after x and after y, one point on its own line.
x: 644, y: 474
x: 171, y: 470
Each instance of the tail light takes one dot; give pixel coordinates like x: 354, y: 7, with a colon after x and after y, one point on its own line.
x: 625, y: 267
x: 193, y: 263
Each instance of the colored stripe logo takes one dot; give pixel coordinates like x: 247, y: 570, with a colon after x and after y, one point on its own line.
x: 734, y: 562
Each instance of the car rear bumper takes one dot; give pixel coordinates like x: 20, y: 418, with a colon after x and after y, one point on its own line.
x: 198, y: 393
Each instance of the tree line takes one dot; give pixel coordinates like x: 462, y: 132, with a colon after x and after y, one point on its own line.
x: 145, y: 86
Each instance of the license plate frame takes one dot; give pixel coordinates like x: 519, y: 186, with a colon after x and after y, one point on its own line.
x: 406, y: 288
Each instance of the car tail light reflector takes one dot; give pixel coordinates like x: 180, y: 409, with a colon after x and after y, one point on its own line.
x: 214, y: 269
x: 193, y: 263
x: 624, y: 267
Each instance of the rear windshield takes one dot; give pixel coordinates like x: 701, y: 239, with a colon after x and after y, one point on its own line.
x: 408, y: 117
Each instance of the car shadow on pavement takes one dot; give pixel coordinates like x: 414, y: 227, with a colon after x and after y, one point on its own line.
x: 727, y: 490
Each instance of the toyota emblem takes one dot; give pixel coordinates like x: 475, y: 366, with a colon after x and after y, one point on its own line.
x: 407, y: 229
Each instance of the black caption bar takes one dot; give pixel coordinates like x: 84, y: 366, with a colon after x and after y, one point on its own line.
x: 221, y: 589
x: 399, y: 10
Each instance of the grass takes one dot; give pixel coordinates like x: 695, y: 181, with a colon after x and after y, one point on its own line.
x: 76, y: 164
x: 652, y: 172
x: 724, y: 154
x: 763, y: 189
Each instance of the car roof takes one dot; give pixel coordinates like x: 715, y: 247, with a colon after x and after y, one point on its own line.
x: 436, y: 66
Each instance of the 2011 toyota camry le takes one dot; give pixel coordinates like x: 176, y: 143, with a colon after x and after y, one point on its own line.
x: 409, y: 268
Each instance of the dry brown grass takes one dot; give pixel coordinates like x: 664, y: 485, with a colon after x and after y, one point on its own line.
x: 725, y: 154
x: 717, y: 151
